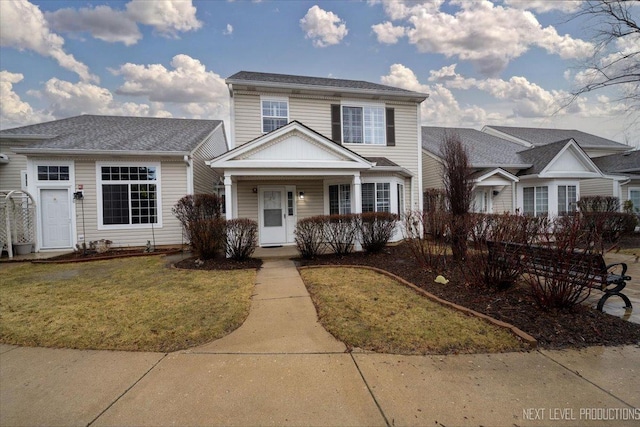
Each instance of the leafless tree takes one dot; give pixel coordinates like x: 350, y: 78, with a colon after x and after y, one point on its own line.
x: 458, y: 188
x: 616, y: 58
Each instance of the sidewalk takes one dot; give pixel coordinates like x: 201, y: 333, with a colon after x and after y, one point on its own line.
x: 282, y: 368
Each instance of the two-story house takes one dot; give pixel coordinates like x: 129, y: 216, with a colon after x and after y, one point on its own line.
x: 305, y: 146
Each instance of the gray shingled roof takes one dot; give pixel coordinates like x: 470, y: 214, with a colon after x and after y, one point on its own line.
x: 619, y: 163
x: 543, y: 136
x: 318, y: 82
x: 484, y: 150
x: 540, y: 157
x: 117, y: 133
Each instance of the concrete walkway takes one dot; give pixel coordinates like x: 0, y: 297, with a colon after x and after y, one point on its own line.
x: 282, y: 368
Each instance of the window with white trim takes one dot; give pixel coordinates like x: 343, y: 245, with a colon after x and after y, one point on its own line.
x: 53, y: 173
x: 129, y: 195
x: 567, y: 199
x: 340, y: 199
x: 275, y: 114
x: 535, y: 201
x: 363, y: 124
x: 376, y: 197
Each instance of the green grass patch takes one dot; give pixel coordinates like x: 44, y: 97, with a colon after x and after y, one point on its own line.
x: 369, y: 310
x: 124, y: 304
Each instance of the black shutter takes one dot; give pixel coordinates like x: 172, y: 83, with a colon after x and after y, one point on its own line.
x: 391, y: 127
x: 336, y: 123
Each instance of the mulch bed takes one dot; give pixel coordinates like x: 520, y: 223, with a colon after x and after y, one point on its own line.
x: 554, y: 329
x: 218, y: 263
x: 80, y: 256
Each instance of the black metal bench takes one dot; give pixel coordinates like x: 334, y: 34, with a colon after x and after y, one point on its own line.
x: 582, y: 269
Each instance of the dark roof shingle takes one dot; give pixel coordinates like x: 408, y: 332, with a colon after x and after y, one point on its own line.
x: 619, y: 163
x: 117, y: 133
x: 319, y: 82
x: 543, y: 136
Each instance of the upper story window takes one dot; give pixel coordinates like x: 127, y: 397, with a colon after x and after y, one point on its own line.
x: 363, y: 124
x: 275, y: 113
x: 53, y: 173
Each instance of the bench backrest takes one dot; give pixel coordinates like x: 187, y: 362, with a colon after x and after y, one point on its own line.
x: 547, y: 261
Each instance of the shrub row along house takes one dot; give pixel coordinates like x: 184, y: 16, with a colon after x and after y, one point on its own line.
x: 298, y: 147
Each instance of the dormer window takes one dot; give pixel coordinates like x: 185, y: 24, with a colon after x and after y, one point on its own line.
x: 275, y: 113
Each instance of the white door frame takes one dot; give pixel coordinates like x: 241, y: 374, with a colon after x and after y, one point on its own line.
x: 282, y: 237
x: 35, y: 186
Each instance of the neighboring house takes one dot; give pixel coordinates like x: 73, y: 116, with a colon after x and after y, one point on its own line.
x: 305, y: 146
x: 128, y: 171
x: 594, y: 146
x: 623, y: 178
x: 609, y: 156
x: 509, y: 176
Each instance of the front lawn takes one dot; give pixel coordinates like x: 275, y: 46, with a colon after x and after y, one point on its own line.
x: 371, y: 311
x: 124, y: 304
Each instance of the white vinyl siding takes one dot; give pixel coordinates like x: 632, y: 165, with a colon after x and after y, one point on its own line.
x: 10, y: 172
x: 596, y: 187
x: 431, y: 172
x: 503, y: 202
x: 173, y: 187
x: 204, y: 178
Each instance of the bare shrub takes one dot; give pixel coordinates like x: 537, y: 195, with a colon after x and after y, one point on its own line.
x: 341, y: 233
x: 309, y: 236
x: 204, y: 229
x: 564, y: 245
x: 242, y: 238
x: 458, y: 187
x: 429, y: 252
x: 376, y: 228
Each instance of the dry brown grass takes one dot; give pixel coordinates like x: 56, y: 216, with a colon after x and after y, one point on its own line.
x: 368, y: 310
x: 125, y: 304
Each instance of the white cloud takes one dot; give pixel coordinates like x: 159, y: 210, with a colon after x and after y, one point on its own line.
x: 198, y: 92
x: 23, y: 26
x: 441, y: 108
x: 14, y: 111
x: 543, y: 6
x: 166, y: 16
x: 480, y: 32
x: 388, y: 33
x: 70, y: 99
x: 324, y: 28
x: 229, y: 30
x: 101, y: 22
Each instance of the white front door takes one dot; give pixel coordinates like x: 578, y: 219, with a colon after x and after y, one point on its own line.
x: 56, y: 219
x: 272, y: 212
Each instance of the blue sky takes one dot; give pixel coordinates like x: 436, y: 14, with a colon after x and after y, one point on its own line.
x: 502, y: 62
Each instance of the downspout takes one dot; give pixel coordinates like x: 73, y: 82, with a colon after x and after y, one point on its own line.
x: 232, y: 119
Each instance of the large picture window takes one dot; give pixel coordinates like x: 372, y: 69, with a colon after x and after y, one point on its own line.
x: 363, y: 124
x: 275, y: 114
x: 376, y: 197
x: 634, y: 196
x: 129, y: 195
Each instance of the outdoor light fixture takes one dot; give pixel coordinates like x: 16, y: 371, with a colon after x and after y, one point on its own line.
x: 301, y: 195
x: 254, y: 189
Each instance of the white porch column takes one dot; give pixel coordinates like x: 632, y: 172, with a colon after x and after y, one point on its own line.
x: 228, y: 197
x: 357, y: 193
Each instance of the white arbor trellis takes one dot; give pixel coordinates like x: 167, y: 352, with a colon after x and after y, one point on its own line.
x: 17, y: 219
